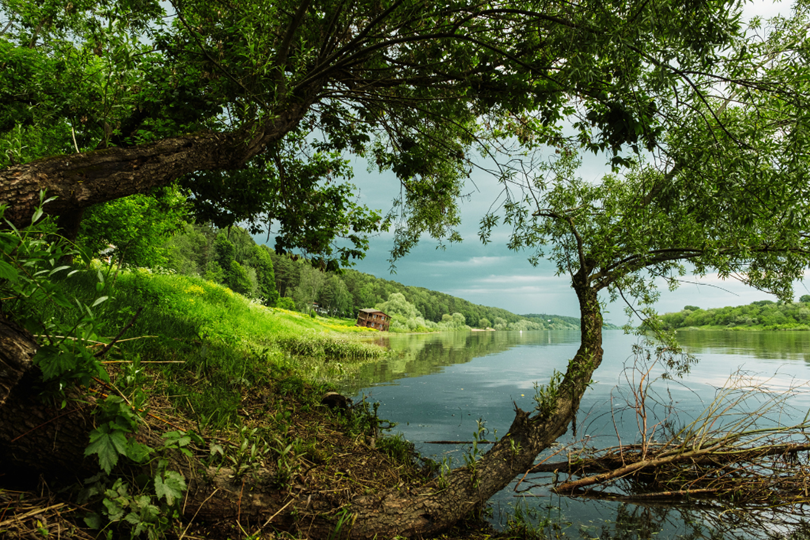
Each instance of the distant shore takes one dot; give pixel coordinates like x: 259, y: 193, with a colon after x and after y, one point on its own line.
x: 770, y: 328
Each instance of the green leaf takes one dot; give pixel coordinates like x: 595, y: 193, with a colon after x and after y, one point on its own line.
x: 93, y: 521
x: 178, y: 438
x: 171, y: 487
x: 114, y: 510
x: 99, y: 300
x: 8, y: 272
x: 108, y: 446
x: 196, y: 438
x: 54, y: 361
x: 57, y: 269
x: 137, y: 452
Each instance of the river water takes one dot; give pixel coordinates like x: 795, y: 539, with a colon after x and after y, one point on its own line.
x: 440, y: 387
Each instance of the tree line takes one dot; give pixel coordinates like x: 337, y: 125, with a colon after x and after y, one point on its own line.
x: 155, y: 231
x: 763, y: 314
x: 233, y: 258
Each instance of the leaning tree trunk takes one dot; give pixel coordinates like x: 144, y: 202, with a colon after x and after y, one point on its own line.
x: 34, y: 433
x: 431, y: 508
x: 82, y: 180
x: 40, y: 436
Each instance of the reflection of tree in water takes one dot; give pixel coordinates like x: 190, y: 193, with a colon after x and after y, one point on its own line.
x: 415, y: 355
x: 777, y: 345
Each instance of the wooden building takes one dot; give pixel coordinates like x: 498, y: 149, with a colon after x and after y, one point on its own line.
x: 373, y: 318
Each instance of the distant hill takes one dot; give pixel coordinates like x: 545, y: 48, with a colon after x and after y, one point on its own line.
x: 561, y: 322
x: 366, y: 291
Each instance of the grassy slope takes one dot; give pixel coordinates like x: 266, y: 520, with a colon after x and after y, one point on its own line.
x: 226, y: 343
x: 242, y: 376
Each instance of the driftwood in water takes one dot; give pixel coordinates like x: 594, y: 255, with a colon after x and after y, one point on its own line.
x: 730, y: 451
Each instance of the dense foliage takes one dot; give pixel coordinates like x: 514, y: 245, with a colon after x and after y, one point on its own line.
x: 289, y: 282
x: 253, y: 107
x: 279, y: 93
x: 133, y: 229
x: 226, y: 256
x: 760, y: 315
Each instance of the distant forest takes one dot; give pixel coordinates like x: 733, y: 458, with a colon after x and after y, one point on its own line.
x: 560, y: 321
x: 233, y: 258
x: 761, y: 315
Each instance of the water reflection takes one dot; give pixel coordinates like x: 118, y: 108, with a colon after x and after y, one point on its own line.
x: 416, y: 355
x: 762, y: 345
x: 438, y: 385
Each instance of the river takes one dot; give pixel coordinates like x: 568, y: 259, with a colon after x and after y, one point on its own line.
x: 438, y: 386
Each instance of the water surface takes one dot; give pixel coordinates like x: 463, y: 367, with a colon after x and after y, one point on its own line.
x: 438, y: 386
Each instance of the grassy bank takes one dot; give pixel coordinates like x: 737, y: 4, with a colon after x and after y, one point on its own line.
x: 758, y: 316
x: 246, y: 382
x: 208, y: 345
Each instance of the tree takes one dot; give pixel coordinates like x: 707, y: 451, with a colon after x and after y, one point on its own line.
x: 309, y: 286
x: 335, y: 296
x: 137, y: 226
x: 256, y: 129
x: 287, y: 274
x: 263, y: 263
x: 238, y: 278
x: 188, y: 251
x: 250, y: 106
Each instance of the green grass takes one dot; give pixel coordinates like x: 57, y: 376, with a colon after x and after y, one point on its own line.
x: 223, y: 345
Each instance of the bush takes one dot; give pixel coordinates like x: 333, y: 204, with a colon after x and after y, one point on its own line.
x: 285, y: 302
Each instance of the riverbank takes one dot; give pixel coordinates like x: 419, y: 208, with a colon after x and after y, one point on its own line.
x: 753, y: 328
x: 762, y: 315
x: 245, y: 389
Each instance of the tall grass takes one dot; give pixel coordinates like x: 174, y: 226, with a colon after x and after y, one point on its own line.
x: 224, y: 346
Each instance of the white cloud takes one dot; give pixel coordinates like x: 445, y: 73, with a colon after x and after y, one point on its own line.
x: 521, y: 278
x: 472, y: 261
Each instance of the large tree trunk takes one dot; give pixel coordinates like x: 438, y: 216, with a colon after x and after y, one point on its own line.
x: 34, y: 433
x: 37, y: 435
x: 82, y: 180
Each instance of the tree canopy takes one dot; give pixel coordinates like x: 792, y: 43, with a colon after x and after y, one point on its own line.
x: 253, y: 106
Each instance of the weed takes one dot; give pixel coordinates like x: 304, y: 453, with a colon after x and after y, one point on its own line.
x: 474, y: 454
x: 344, y: 525
x: 286, y: 461
x: 444, y: 469
x: 250, y: 452
x: 397, y: 448
x: 546, y: 396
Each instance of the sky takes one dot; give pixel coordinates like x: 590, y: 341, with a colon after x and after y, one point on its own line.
x: 492, y: 275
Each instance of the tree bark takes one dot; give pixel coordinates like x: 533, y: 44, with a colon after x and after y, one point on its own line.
x: 34, y: 433
x: 37, y: 435
x: 82, y: 180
